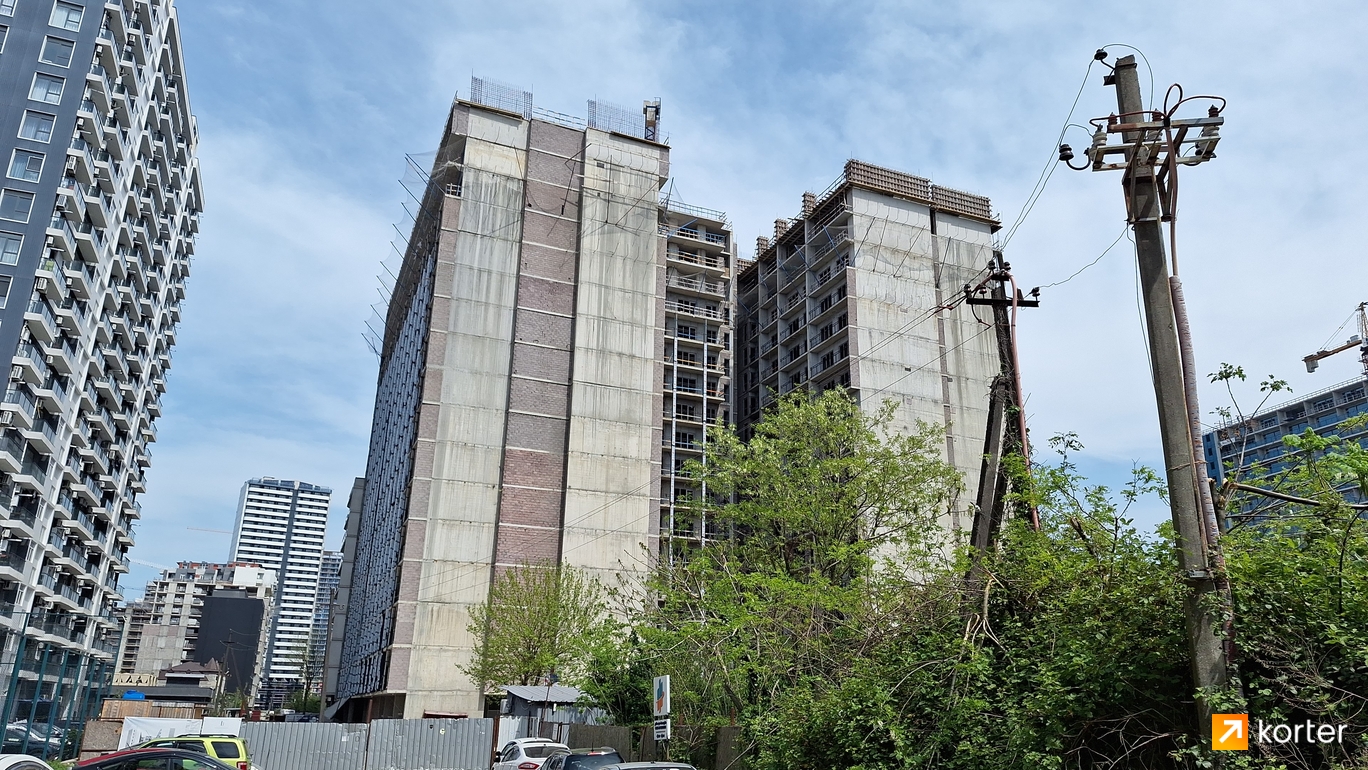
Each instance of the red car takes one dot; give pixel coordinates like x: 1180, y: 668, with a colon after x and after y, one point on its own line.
x: 153, y: 759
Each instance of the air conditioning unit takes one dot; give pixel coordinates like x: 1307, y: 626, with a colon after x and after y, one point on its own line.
x: 16, y: 373
x: 6, y: 418
x: 40, y: 284
x: 71, y: 164
x: 47, y: 360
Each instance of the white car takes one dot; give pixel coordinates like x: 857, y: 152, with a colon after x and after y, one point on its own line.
x: 527, y: 753
x: 22, y: 762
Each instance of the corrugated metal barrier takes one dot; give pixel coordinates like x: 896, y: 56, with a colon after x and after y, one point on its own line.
x: 388, y: 744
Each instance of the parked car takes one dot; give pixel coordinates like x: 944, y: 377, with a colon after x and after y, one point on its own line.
x: 228, y: 749
x: 650, y: 766
x: 22, y: 762
x: 29, y: 738
x: 143, y: 758
x: 527, y: 753
x: 584, y: 759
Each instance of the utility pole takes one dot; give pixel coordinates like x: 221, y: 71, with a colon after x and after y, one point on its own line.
x: 1003, y: 436
x: 1146, y: 193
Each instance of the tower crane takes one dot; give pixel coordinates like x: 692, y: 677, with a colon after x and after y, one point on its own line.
x: 1361, y: 340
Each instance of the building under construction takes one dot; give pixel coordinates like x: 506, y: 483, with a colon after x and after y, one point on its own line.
x: 864, y: 290
x: 521, y: 408
x: 558, y: 343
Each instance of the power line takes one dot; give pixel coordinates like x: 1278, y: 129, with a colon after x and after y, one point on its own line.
x: 1050, y: 164
x: 1104, y: 253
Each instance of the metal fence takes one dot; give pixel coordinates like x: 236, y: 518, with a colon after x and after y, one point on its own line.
x: 388, y: 744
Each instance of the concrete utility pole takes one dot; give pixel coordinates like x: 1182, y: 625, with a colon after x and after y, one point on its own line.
x: 1208, y: 655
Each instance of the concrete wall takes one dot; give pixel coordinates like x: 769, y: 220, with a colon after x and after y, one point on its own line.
x: 612, y: 475
x: 937, y: 366
x: 454, y: 496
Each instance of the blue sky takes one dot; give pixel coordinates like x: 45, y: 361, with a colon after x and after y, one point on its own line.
x: 306, y: 110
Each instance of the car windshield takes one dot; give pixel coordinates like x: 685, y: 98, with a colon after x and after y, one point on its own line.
x: 591, y: 761
x: 541, y: 751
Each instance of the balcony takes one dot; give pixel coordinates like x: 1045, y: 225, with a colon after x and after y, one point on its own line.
x: 89, y: 241
x: 63, y: 355
x: 57, y: 624
x: 51, y: 395
x: 41, y: 321
x: 26, y: 510
x: 697, y: 284
x: 35, y: 466
x: 700, y: 259
x: 694, y: 234
x: 690, y: 309
x: 12, y: 450
x: 21, y: 403
x: 116, y: 361
x: 43, y: 435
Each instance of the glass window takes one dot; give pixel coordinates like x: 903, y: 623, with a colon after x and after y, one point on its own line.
x: 36, y: 126
x: 16, y: 205
x: 66, y: 16
x: 4, y: 35
x: 57, y: 51
x: 225, y: 749
x: 9, y: 248
x: 4, y: 289
x: 47, y: 88
x: 26, y: 165
x: 7, y: 7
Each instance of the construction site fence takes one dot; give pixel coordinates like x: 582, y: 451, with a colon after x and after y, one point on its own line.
x: 384, y: 744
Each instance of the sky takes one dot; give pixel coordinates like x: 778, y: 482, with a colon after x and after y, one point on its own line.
x: 306, y: 112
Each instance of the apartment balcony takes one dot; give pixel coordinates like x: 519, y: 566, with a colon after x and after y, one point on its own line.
x: 711, y: 264
x: 84, y: 166
x: 25, y: 511
x: 714, y: 241
x: 43, y: 437
x: 51, y: 395
x: 87, y: 490
x: 694, y: 311
x: 62, y: 356
x: 89, y: 241
x: 115, y: 361
x: 57, y: 625
x: 14, y: 560
x: 99, y: 205
x: 682, y: 446
x: 41, y: 321
x: 697, y: 285
x: 20, y: 404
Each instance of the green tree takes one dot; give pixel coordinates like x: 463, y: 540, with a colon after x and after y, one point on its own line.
x: 303, y: 701
x: 831, y: 624
x: 825, y: 493
x: 539, y: 620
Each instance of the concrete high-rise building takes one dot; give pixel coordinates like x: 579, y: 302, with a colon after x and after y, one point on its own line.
x: 98, y: 209
x: 697, y: 357
x: 329, y: 574
x: 1252, y: 448
x: 851, y: 293
x: 232, y: 633
x: 521, y: 404
x: 162, y: 629
x: 281, y: 525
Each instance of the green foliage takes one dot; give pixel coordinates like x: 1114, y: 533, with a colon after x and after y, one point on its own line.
x: 302, y: 701
x: 539, y: 620
x: 837, y: 628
